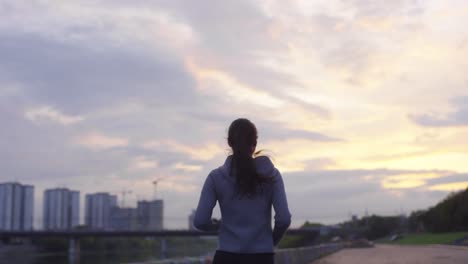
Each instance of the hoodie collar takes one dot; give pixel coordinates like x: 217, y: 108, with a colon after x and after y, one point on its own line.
x: 226, y: 167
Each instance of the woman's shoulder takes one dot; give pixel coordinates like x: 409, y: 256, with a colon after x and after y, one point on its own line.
x: 263, y: 160
x: 264, y: 165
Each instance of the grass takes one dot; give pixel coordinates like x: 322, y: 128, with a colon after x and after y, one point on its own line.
x: 428, y: 238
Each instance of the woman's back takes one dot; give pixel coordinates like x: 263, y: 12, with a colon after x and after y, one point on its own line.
x: 246, y: 188
x: 246, y: 221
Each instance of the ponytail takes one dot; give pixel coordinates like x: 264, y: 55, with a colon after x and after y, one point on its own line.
x: 242, y: 138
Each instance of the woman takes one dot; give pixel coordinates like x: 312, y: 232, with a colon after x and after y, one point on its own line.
x: 246, y: 189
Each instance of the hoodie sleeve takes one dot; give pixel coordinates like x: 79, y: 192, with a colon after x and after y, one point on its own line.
x: 207, y: 202
x: 280, y: 205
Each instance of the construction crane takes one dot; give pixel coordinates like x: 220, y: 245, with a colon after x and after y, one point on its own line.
x: 124, y: 193
x: 155, y: 185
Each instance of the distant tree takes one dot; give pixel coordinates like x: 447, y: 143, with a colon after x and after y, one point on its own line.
x: 309, y: 224
x: 371, y: 227
x: 415, y: 223
x: 381, y: 226
x: 449, y: 215
x: 294, y: 241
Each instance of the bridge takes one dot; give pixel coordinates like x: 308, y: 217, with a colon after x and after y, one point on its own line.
x: 74, y: 236
x: 117, y: 233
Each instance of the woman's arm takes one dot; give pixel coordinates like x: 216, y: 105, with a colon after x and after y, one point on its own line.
x: 207, y: 202
x: 280, y: 204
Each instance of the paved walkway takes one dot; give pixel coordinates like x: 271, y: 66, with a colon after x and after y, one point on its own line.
x: 386, y: 254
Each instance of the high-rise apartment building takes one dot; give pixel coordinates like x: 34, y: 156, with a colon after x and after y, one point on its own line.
x: 150, y: 215
x: 16, y: 206
x: 61, y: 209
x: 98, y: 207
x: 123, y: 218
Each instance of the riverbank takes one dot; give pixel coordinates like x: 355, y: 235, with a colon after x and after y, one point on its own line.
x: 396, y: 254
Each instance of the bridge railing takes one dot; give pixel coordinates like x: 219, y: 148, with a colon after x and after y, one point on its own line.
x: 283, y: 256
x: 124, y: 233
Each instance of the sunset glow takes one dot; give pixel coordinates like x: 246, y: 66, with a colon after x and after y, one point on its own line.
x: 358, y: 103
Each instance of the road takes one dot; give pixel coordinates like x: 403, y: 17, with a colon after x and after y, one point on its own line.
x: 386, y: 254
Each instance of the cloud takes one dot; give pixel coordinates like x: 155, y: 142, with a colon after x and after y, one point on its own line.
x: 98, y: 141
x: 408, y: 181
x: 236, y: 62
x: 48, y: 112
x: 77, y: 78
x: 143, y: 163
x: 458, y: 117
x: 380, y: 179
x: 277, y: 133
x: 9, y: 89
x: 244, y: 24
x: 212, y: 80
x: 450, y: 187
x: 199, y: 153
x: 269, y: 128
x: 333, y: 195
x: 319, y: 164
x: 178, y: 186
x: 452, y: 178
x: 30, y: 152
x: 365, y: 8
x: 187, y: 167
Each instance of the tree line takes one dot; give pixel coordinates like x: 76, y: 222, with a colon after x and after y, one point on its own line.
x: 449, y: 215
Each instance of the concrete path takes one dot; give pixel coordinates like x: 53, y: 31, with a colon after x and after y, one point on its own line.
x: 386, y: 254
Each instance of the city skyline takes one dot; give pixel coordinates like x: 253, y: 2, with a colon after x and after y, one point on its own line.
x: 362, y: 105
x: 61, y: 209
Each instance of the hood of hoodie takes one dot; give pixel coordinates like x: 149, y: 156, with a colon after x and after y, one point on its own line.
x: 263, y: 166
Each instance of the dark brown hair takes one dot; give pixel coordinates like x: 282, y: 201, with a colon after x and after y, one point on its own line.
x: 242, y: 138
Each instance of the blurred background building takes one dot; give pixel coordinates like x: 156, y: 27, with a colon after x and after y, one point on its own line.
x: 150, y: 215
x: 98, y: 208
x: 16, y: 206
x: 123, y: 218
x: 61, y: 209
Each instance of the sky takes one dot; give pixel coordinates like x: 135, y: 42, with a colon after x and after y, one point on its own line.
x: 362, y: 105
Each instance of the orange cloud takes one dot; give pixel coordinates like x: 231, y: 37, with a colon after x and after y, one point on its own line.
x: 227, y: 86
x: 143, y: 163
x: 187, y: 167
x: 98, y: 141
x: 406, y: 181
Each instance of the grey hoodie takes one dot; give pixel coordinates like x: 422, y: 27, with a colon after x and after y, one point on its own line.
x: 246, y: 222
